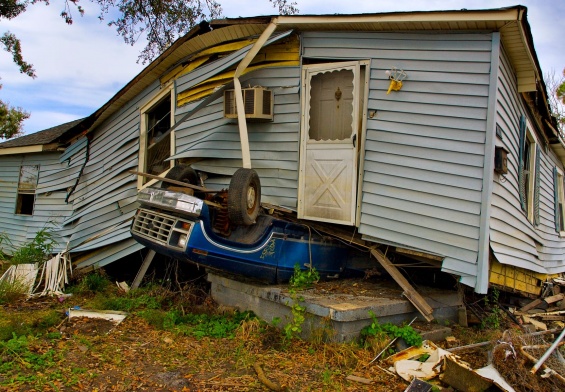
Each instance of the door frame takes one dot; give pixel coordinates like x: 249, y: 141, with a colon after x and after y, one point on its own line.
x: 364, y: 67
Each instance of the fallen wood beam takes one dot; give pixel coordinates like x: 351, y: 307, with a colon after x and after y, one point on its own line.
x: 554, y: 298
x: 175, y: 182
x: 531, y: 305
x: 409, y: 292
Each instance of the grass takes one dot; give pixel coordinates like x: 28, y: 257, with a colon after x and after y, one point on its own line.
x: 175, y: 332
x: 12, y: 291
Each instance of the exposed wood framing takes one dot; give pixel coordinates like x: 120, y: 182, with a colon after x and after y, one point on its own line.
x: 412, y: 295
x: 175, y: 182
x: 421, y: 256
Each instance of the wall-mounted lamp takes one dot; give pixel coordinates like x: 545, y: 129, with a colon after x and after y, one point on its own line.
x: 500, y: 160
x: 396, y: 77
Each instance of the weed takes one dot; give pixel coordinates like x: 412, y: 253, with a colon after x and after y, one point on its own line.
x: 390, y: 331
x: 298, y: 281
x: 496, y: 316
x: 130, y: 302
x: 28, y: 323
x: 37, y: 250
x: 17, y: 350
x: 48, y: 320
x: 215, y: 326
x: 303, y: 279
x: 94, y: 282
x: 197, y: 325
x: 276, y: 321
x: 11, y: 291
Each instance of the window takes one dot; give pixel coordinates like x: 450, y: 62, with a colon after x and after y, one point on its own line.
x: 156, y: 145
x: 559, y: 194
x: 529, y: 179
x: 26, y: 189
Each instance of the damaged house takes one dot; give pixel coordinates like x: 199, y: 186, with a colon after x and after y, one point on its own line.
x: 427, y: 132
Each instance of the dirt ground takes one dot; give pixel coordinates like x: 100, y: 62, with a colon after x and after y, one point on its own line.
x: 97, y: 355
x: 88, y: 354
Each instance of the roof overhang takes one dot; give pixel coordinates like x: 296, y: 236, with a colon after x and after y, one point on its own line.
x: 510, y: 22
x: 29, y: 149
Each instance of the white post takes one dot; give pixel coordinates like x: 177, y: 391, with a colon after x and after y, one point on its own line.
x: 243, y: 136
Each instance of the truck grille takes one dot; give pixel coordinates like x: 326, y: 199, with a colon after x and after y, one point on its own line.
x: 154, y: 226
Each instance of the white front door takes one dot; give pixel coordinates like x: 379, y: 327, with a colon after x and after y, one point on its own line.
x: 329, y: 133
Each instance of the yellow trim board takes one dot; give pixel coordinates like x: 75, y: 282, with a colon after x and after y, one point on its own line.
x: 209, y: 85
x: 184, y: 69
x: 516, y: 279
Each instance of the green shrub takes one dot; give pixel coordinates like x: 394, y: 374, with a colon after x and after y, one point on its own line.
x: 38, y: 250
x: 390, y: 331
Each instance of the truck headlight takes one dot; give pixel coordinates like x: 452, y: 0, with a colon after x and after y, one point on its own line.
x: 183, y: 238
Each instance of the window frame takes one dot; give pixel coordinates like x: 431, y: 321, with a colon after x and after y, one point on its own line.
x: 560, y: 199
x: 25, y: 192
x: 528, y: 176
x: 530, y: 186
x: 142, y: 182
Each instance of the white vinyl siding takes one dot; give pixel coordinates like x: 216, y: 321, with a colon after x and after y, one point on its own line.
x: 515, y: 239
x: 425, y: 144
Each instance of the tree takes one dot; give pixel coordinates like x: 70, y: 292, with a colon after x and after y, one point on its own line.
x: 556, y: 85
x: 11, y: 120
x: 560, y: 91
x: 160, y: 21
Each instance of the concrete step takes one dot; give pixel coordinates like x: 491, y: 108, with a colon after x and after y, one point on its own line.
x: 335, y: 310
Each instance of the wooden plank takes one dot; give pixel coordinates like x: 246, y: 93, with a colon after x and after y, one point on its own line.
x: 179, y: 183
x: 421, y: 256
x: 554, y: 317
x: 554, y: 298
x: 531, y: 305
x: 412, y: 295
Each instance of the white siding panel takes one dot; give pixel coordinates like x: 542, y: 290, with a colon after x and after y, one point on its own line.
x: 213, y: 141
x: 515, y: 240
x: 425, y: 147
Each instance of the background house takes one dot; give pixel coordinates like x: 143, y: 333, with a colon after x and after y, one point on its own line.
x: 412, y: 169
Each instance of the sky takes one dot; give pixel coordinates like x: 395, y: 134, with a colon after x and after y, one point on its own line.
x: 81, y: 66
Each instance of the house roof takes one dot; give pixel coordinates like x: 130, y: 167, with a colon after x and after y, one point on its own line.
x: 511, y: 22
x: 45, y: 140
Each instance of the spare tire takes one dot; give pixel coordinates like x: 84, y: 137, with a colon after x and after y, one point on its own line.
x: 183, y: 173
x: 244, y: 197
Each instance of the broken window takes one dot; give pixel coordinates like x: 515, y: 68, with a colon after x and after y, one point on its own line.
x: 27, y: 184
x: 156, y: 143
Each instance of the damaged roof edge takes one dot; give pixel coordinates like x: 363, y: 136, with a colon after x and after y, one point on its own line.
x: 516, y: 14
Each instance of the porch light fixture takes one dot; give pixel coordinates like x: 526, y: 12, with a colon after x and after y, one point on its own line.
x: 396, y: 77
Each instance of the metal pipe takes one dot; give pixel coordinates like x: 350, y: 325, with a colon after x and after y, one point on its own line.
x: 548, y: 353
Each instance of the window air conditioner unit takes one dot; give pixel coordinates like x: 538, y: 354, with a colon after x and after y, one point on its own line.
x: 258, y: 103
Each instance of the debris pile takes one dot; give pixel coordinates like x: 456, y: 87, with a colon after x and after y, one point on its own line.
x: 513, y: 361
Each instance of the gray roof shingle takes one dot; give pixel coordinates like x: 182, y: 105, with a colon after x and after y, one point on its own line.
x: 46, y: 136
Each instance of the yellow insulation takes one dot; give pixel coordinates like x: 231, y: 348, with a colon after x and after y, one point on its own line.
x: 276, y: 55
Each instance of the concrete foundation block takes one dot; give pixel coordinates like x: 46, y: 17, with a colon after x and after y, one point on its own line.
x: 334, y: 315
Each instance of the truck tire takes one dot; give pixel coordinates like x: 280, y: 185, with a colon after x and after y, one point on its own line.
x: 244, y: 197
x: 183, y: 173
